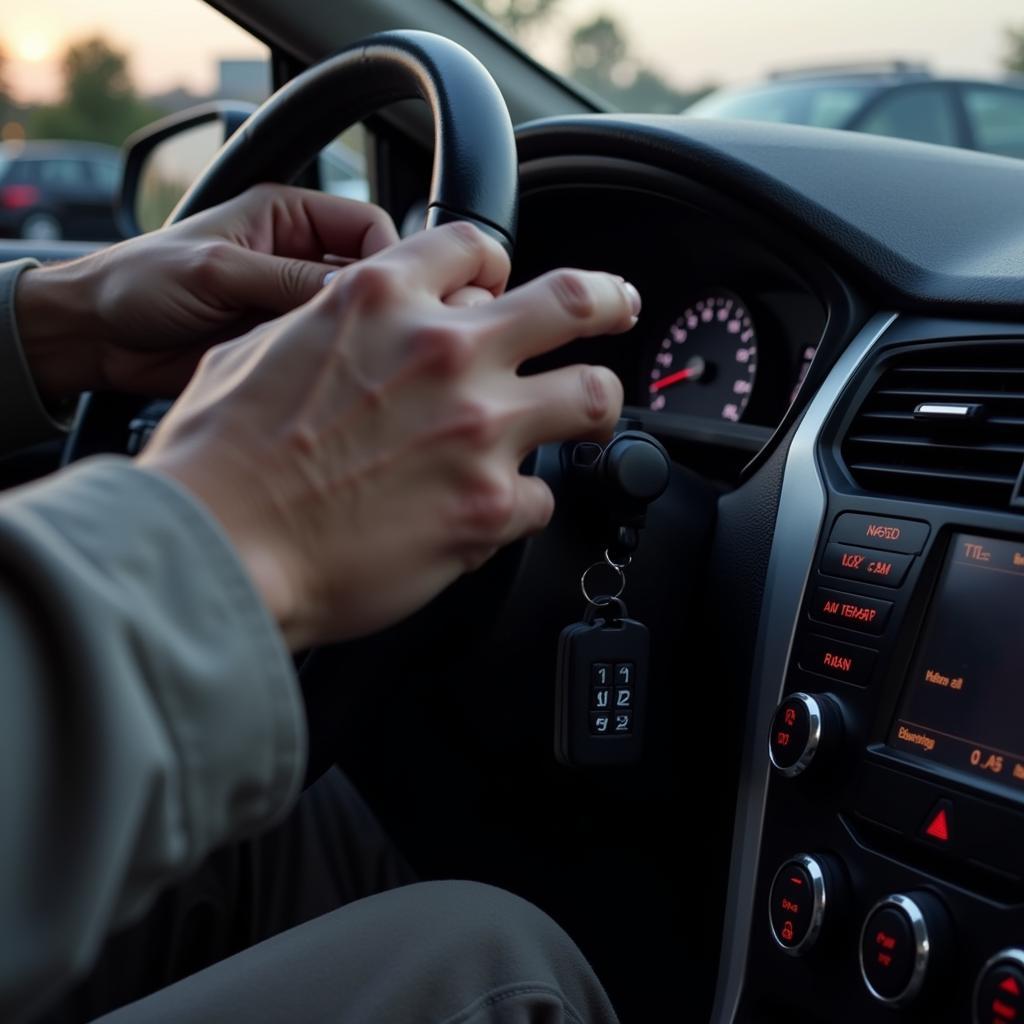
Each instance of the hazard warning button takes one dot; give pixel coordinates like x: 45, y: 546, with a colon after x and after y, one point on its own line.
x: 937, y: 827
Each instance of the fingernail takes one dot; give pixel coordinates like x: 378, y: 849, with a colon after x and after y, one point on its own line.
x: 634, y: 299
x: 330, y: 276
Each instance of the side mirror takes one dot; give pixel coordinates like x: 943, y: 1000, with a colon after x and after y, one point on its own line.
x: 163, y: 159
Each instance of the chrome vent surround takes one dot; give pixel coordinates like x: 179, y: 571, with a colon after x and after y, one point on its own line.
x: 944, y: 422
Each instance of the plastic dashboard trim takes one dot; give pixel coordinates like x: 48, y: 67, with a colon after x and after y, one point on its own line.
x: 801, y: 511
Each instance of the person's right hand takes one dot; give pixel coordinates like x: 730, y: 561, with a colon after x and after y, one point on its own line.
x: 362, y: 451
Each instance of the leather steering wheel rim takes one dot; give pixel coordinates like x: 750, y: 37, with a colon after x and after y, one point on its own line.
x: 475, y: 173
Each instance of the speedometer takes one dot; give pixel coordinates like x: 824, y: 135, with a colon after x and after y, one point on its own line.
x: 706, y: 362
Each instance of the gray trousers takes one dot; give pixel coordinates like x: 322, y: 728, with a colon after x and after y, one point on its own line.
x: 316, y: 921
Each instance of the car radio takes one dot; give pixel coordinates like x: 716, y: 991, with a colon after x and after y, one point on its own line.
x: 894, y: 823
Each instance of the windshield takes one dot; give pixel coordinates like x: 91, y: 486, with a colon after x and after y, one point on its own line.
x: 660, y: 57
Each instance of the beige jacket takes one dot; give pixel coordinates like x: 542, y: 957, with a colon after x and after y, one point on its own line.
x: 149, y: 710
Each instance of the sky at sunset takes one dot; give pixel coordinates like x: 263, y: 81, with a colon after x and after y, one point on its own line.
x: 177, y: 42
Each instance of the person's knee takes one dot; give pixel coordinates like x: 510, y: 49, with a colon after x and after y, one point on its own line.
x: 490, y: 944
x: 488, y: 923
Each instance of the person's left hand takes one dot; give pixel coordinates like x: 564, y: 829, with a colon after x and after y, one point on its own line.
x: 136, y: 317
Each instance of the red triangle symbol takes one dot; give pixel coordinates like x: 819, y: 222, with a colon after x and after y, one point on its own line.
x: 1009, y: 984
x: 938, y: 828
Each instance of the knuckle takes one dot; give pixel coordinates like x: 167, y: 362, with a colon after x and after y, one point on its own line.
x: 292, y: 277
x: 210, y: 260
x: 370, y: 285
x: 446, y: 349
x: 488, y: 505
x: 602, y: 394
x: 572, y: 293
x: 469, y: 236
x: 476, y: 423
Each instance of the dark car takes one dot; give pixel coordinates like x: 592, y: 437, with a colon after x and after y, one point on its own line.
x: 900, y: 100
x: 52, y: 190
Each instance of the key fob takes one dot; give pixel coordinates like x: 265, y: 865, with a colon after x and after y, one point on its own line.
x: 601, y: 689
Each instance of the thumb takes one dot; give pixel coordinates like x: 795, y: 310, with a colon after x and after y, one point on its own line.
x: 257, y: 280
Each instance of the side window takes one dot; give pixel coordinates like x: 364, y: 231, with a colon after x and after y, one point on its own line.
x: 996, y: 117
x: 95, y: 73
x: 921, y: 112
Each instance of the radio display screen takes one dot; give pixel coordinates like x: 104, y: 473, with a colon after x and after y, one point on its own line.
x: 963, y: 703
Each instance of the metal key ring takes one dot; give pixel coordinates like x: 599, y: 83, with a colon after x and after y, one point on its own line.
x: 603, y: 598
x: 617, y: 566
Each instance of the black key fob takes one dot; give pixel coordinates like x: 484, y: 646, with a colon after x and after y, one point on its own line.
x: 601, y: 690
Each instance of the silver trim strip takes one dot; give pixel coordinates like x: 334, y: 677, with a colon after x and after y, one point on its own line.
x: 943, y: 410
x: 922, y: 949
x: 799, y: 519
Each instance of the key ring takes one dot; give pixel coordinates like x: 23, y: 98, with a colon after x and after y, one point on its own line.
x: 619, y: 567
x: 616, y: 567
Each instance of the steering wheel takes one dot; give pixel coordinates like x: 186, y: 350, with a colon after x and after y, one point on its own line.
x: 475, y: 175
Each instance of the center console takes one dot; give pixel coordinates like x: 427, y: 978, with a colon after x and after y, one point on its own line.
x: 880, y: 864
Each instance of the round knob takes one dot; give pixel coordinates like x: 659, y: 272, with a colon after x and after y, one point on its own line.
x: 802, y: 726
x: 799, y: 899
x: 638, y: 466
x: 901, y: 937
x: 999, y: 992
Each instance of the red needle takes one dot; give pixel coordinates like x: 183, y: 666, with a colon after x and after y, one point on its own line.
x: 675, y: 378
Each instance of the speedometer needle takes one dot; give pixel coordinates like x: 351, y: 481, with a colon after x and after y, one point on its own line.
x: 692, y: 370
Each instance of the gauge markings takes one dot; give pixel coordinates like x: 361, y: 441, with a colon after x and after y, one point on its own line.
x: 706, y: 362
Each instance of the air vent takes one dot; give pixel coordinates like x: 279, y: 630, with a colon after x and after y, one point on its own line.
x: 943, y: 422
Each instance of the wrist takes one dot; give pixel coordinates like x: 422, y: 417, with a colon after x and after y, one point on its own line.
x: 266, y: 569
x: 55, y: 309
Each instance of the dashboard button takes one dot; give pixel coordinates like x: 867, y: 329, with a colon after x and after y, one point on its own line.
x: 851, y: 611
x: 852, y: 563
x: 837, y: 660
x: 999, y: 992
x: 901, y: 938
x: 797, y: 904
x: 937, y: 826
x: 795, y: 734
x: 805, y: 728
x: 904, y: 535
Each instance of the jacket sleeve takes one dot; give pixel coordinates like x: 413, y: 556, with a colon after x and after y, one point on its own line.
x: 24, y: 419
x: 149, y: 712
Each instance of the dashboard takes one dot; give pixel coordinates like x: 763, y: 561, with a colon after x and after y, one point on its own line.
x: 854, y: 693
x: 730, y: 325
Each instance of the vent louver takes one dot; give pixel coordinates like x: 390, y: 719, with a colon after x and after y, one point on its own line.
x: 944, y: 422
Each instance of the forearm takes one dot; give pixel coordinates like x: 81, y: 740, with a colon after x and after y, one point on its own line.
x: 150, y: 712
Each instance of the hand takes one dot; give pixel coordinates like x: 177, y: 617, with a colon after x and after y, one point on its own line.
x: 137, y: 316
x: 363, y: 451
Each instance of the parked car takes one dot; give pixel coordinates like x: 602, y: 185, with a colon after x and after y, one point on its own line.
x: 901, y: 100
x: 52, y: 189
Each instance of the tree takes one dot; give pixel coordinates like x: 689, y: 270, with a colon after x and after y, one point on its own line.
x: 517, y: 15
x: 1014, y: 59
x: 99, y: 101
x: 6, y: 103
x: 599, y: 59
